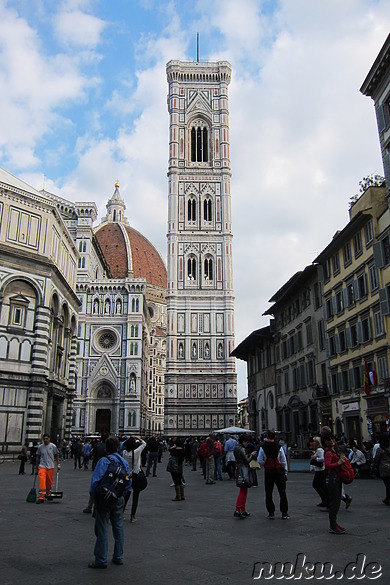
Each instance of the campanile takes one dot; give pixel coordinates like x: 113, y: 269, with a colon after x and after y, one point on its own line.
x: 200, y: 381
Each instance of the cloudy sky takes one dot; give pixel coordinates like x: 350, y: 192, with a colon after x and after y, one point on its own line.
x: 83, y: 104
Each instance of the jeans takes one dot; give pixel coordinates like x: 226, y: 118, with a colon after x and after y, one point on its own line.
x: 333, y: 485
x: 217, y: 468
x: 103, y: 518
x: 152, y: 458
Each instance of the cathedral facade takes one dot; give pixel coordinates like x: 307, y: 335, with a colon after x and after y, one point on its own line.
x: 82, y: 320
x: 120, y: 362
x: 38, y: 317
x: 200, y: 383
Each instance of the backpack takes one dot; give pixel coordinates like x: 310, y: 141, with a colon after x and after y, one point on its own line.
x: 113, y: 483
x: 346, y: 472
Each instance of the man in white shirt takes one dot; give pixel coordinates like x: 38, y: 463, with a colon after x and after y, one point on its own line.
x: 47, y: 453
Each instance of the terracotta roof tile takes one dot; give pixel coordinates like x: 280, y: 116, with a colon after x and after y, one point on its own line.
x: 147, y: 262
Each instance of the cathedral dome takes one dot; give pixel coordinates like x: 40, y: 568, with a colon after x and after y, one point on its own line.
x: 129, y: 253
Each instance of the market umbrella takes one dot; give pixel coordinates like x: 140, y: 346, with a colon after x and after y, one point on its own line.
x: 233, y: 431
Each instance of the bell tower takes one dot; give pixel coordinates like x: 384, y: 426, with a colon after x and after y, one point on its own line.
x: 200, y: 381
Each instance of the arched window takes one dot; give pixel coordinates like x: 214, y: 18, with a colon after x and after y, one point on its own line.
x: 207, y: 213
x: 208, y: 269
x: 191, y: 268
x: 191, y: 210
x: 199, y: 144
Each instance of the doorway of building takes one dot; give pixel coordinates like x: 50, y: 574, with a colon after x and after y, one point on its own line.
x: 103, y: 420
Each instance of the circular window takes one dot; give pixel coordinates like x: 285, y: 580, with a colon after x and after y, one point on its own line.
x: 106, y: 340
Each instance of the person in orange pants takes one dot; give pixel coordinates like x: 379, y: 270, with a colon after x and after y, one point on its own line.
x: 47, y: 453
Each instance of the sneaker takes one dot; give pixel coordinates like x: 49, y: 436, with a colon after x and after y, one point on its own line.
x: 337, y: 530
x: 348, y: 502
x: 133, y: 519
x: 271, y: 516
x: 238, y: 514
x: 285, y: 516
x: 87, y: 510
x: 246, y: 514
x: 49, y: 498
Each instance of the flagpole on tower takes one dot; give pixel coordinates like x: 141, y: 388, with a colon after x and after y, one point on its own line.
x: 197, y: 47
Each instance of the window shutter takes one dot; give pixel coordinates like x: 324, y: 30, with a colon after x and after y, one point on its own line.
x: 384, y: 302
x: 381, y: 117
x: 345, y: 297
x: 378, y: 254
x: 386, y: 165
x: 337, y: 343
x: 356, y: 290
x: 359, y: 331
x: 348, y: 337
x: 351, y: 378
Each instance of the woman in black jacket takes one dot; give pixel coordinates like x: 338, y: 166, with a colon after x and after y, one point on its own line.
x: 176, y: 452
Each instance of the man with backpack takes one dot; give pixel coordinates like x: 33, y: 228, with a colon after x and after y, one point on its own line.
x: 109, y: 484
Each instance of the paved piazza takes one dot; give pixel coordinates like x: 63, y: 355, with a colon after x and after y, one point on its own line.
x: 192, y: 542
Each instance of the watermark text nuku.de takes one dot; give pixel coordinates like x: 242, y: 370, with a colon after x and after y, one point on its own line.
x: 305, y: 569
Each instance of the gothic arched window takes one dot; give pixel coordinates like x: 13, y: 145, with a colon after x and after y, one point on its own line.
x: 207, y: 211
x: 191, y: 210
x: 208, y: 269
x: 191, y: 268
x: 199, y: 144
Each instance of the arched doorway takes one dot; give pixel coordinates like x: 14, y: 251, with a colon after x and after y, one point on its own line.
x: 103, y: 421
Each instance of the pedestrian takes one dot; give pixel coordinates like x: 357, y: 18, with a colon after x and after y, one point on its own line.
x: 132, y: 449
x: 210, y: 465
x: 333, y: 460
x: 202, y: 456
x: 243, y: 475
x: 87, y: 449
x: 33, y: 456
x: 317, y: 466
x: 194, y: 452
x: 341, y: 448
x: 218, y: 450
x: 64, y: 450
x: 77, y: 452
x: 98, y: 451
x: 381, y: 465
x: 108, y: 514
x: 152, y: 456
x: 273, y: 460
x: 357, y: 459
x: 230, y: 445
x: 23, y: 458
x: 47, y: 453
x: 176, y: 451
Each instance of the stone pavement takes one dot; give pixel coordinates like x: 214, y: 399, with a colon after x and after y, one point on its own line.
x: 196, y: 541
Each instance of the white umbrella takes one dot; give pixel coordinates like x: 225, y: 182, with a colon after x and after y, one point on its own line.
x: 233, y: 431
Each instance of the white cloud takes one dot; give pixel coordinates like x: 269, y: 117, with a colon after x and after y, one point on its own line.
x: 74, y: 27
x: 35, y: 85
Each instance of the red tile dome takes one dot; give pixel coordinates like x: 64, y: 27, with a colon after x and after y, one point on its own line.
x: 129, y: 253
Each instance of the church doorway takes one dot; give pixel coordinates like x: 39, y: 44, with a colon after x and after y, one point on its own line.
x: 103, y: 420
